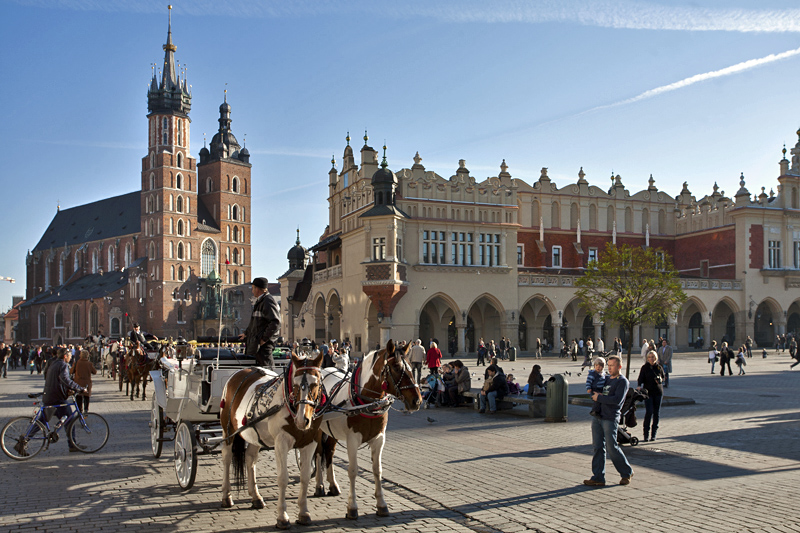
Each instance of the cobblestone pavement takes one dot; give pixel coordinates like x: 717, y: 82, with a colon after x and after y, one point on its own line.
x: 727, y: 464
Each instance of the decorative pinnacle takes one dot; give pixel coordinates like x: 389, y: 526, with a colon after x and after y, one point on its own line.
x: 503, y: 166
x: 784, y: 150
x: 333, y: 161
x: 384, y: 164
x: 298, y: 236
x: 741, y: 180
x: 348, y: 138
x: 366, y: 137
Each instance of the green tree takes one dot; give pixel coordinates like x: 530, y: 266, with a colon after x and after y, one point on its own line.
x: 630, y: 285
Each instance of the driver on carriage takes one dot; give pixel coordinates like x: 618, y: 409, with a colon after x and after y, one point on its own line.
x: 265, y: 322
x: 137, y: 338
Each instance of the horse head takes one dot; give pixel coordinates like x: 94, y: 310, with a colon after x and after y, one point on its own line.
x: 398, y: 379
x: 306, y: 389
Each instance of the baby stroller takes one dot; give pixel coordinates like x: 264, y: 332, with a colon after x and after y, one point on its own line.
x: 435, y: 395
x: 627, y: 416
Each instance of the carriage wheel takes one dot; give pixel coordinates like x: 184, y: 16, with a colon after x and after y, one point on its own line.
x: 634, y: 441
x: 185, y: 455
x: 156, y: 428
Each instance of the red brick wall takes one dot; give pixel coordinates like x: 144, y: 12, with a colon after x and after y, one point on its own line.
x: 718, y: 247
x: 756, y: 246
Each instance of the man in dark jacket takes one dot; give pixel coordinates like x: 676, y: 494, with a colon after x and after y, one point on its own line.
x: 604, y: 428
x: 262, y: 331
x: 57, y: 386
x: 496, y: 391
x: 725, y: 357
x: 137, y: 338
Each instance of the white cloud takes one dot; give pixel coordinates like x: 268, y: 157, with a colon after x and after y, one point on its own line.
x: 697, y: 78
x: 621, y: 14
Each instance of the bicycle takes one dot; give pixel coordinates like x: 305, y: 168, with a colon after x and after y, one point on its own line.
x: 24, y: 437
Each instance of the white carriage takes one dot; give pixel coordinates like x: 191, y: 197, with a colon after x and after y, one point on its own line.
x: 186, y: 402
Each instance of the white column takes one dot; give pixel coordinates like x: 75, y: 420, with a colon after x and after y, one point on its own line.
x: 462, y: 339
x: 503, y: 249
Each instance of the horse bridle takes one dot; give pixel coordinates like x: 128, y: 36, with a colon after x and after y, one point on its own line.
x: 394, y: 383
x: 314, y: 403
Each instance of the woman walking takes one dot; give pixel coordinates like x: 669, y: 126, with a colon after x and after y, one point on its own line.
x: 82, y: 374
x: 434, y: 357
x: 651, y: 377
x: 713, y: 355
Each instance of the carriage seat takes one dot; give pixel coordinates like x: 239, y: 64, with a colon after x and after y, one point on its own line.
x: 225, y: 355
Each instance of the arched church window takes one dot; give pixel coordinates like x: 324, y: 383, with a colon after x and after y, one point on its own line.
x: 180, y: 139
x: 180, y: 273
x: 152, y: 160
x: 235, y: 256
x: 112, y: 256
x: 209, y: 185
x: 179, y: 204
x: 128, y: 255
x: 180, y: 156
x: 164, y: 140
x: 180, y: 250
x: 152, y: 181
x: 235, y: 234
x: 180, y: 227
x: 179, y: 182
x: 235, y: 185
x: 235, y: 213
x: 152, y: 254
x: 208, y: 254
x: 235, y: 277
x: 165, y: 123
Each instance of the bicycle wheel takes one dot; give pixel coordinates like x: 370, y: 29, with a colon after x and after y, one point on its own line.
x: 90, y: 438
x: 23, y: 438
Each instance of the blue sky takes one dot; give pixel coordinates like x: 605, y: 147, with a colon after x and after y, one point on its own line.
x: 688, y: 91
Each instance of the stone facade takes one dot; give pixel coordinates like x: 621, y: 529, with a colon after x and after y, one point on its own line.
x: 463, y: 259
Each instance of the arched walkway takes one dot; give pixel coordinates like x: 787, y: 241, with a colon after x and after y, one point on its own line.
x: 483, y: 322
x: 334, y: 317
x: 437, y: 320
x: 535, y: 322
x: 319, y: 319
x: 764, y: 324
x: 723, y: 324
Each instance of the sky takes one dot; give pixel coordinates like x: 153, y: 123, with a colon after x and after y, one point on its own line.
x: 698, y: 91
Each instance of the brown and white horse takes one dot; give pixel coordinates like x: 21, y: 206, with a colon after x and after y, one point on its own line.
x: 259, y: 409
x: 379, y: 374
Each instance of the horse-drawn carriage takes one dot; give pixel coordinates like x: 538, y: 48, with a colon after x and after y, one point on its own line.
x: 188, y: 390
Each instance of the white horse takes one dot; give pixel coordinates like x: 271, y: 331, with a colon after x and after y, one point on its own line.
x: 380, y: 374
x: 109, y: 358
x: 261, y: 409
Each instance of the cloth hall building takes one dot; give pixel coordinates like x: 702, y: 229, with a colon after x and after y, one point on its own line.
x: 412, y: 254
x: 171, y: 255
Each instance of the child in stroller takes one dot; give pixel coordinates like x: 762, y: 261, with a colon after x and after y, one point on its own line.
x: 627, y: 416
x: 435, y: 395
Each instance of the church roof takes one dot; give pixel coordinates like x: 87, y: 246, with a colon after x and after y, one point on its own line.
x: 205, y: 222
x: 104, y: 219
x: 85, y: 287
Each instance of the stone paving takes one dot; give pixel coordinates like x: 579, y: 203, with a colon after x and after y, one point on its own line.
x: 727, y: 464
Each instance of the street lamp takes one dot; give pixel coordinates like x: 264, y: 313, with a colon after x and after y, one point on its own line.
x: 380, y: 317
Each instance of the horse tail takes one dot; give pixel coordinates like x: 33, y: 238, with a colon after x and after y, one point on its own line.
x: 238, y: 448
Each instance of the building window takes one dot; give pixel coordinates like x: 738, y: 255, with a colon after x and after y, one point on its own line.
x: 398, y: 251
x: 180, y: 225
x: 209, y: 185
x: 152, y: 182
x: 180, y: 273
x: 556, y: 256
x: 180, y: 156
x: 76, y: 321
x: 180, y: 248
x: 179, y: 185
x: 115, y: 327
x: 378, y: 249
x: 660, y: 261
x: 180, y: 141
x: 42, y: 324
x: 235, y: 213
x: 235, y: 184
x: 235, y: 256
x: 112, y: 259
x: 774, y: 254
x: 235, y: 234
x: 796, y: 254
x: 704, y: 268
x: 433, y: 247
x: 489, y: 249
x: 235, y: 277
x: 94, y: 320
x: 520, y: 255
x: 592, y: 255
x: 208, y: 254
x: 462, y: 248
x: 164, y: 138
x: 59, y: 318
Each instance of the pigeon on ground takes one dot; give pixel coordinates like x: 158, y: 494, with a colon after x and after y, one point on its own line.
x: 567, y: 372
x: 431, y: 420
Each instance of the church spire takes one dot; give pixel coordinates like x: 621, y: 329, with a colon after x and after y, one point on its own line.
x: 169, y: 94
x: 168, y: 77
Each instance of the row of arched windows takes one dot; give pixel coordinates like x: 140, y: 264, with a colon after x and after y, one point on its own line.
x: 75, y: 325
x: 235, y: 185
x: 657, y: 225
x: 236, y: 234
x: 235, y: 256
x: 77, y: 263
x: 236, y: 277
x: 236, y: 213
x: 179, y: 251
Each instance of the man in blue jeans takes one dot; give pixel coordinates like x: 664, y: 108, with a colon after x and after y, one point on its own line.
x: 604, y: 428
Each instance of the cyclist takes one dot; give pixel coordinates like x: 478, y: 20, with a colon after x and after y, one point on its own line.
x: 57, y: 386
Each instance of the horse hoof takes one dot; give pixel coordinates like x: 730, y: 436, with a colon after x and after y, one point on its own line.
x: 282, y: 524
x: 333, y: 491
x: 258, y: 504
x: 352, y: 514
x: 383, y: 511
x: 303, y: 520
x: 320, y: 492
x: 227, y: 503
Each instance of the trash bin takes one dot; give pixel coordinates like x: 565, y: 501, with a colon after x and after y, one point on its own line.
x: 557, y: 399
x: 512, y: 354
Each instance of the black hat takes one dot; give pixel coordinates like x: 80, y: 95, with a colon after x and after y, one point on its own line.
x: 261, y: 283
x: 135, y: 325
